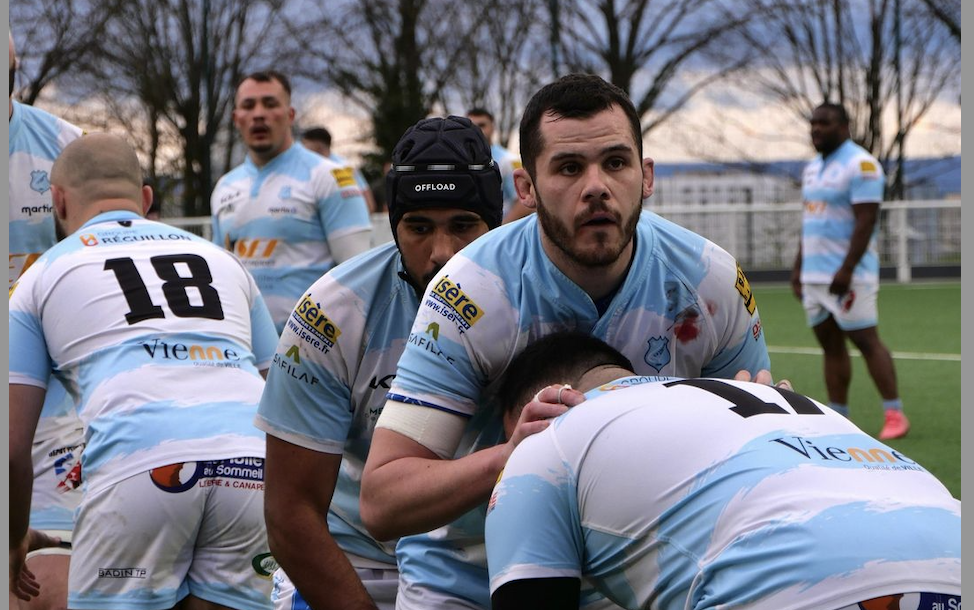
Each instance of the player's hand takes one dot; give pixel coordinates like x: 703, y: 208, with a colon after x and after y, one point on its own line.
x: 39, y: 540
x: 23, y: 583
x: 841, y: 281
x: 547, y: 404
x: 763, y: 376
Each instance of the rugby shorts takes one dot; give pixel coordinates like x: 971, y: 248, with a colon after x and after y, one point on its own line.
x: 189, y: 528
x: 854, y: 310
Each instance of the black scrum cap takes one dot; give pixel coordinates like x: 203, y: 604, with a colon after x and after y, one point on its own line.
x: 444, y: 163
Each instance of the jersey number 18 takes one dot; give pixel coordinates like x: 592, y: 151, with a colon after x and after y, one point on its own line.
x: 174, y: 288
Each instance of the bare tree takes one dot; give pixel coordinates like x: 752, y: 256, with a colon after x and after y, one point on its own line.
x: 948, y: 12
x: 662, y: 52
x: 499, y: 67
x: 878, y: 58
x: 180, y: 59
x: 53, y: 38
x: 394, y: 59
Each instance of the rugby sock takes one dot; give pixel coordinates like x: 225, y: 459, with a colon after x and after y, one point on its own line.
x: 841, y: 409
x: 895, y: 404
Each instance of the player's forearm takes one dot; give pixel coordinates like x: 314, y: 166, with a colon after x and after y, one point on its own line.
x: 21, y: 485
x: 858, y: 245
x: 304, y: 548
x: 412, y: 495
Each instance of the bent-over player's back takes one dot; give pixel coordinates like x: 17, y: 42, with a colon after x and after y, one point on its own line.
x: 160, y: 335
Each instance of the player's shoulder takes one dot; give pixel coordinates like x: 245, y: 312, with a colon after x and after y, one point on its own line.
x: 364, y: 273
x: 229, y: 179
x: 39, y: 132
x: 508, y: 242
x: 857, y: 158
x: 685, y: 255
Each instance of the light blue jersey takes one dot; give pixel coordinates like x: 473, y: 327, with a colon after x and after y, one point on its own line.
x: 280, y: 218
x: 685, y: 308
x: 699, y: 493
x: 830, y: 188
x: 156, y: 333
x: 36, y: 139
x: 507, y: 162
x: 334, y: 363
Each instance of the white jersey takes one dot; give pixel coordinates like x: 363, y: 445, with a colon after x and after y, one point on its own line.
x: 36, y: 139
x: 279, y: 220
x: 830, y: 188
x: 333, y: 367
x: 701, y: 493
x: 156, y: 333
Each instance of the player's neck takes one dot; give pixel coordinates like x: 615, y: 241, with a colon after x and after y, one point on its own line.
x: 598, y: 282
x: 260, y: 159
x: 600, y: 375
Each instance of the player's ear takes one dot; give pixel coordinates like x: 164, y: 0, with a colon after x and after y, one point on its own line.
x: 649, y: 176
x: 57, y: 198
x: 525, y: 188
x: 146, y: 199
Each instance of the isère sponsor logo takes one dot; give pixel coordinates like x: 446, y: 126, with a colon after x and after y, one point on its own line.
x: 310, y: 313
x: 451, y: 295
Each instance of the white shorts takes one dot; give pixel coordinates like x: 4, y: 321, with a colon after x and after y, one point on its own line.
x: 56, y: 454
x: 417, y: 597
x: 380, y: 581
x: 854, y: 310
x: 191, y: 528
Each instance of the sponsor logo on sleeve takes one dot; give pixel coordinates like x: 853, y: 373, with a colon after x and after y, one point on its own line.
x: 294, y: 371
x: 867, y: 167
x: 744, y: 288
x: 311, y: 324
x: 343, y: 176
x: 451, y: 302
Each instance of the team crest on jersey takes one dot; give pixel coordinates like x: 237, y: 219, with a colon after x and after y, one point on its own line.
x: 658, y: 352
x: 39, y: 181
x: 285, y: 193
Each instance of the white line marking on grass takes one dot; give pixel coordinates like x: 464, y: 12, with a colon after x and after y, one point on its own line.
x: 814, y: 351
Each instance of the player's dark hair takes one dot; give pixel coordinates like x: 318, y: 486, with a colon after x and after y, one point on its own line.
x: 574, y: 96
x: 838, y: 110
x: 266, y: 76
x: 562, y: 357
x: 480, y: 111
x: 317, y: 134
x: 444, y: 162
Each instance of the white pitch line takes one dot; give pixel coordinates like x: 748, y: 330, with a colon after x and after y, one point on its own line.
x: 814, y: 351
